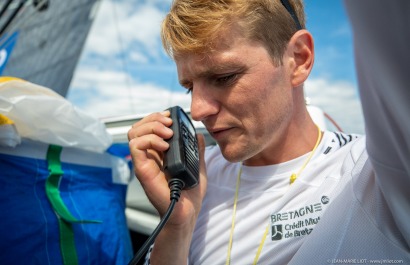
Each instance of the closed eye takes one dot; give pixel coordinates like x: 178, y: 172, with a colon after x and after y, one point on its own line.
x: 226, y: 79
x: 188, y: 90
x: 218, y: 80
x: 188, y: 86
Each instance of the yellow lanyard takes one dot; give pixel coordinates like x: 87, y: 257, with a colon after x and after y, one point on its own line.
x: 293, y: 177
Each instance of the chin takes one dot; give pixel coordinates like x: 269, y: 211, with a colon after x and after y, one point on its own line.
x: 234, y: 156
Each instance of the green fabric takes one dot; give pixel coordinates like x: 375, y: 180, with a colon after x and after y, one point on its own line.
x: 67, y: 243
x: 65, y: 218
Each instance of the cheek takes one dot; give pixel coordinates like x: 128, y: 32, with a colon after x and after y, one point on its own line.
x: 263, y: 96
x: 277, y: 93
x: 269, y: 105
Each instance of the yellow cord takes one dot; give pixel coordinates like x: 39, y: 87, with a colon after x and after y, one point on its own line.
x: 238, y: 181
x: 258, y: 253
x: 293, y: 177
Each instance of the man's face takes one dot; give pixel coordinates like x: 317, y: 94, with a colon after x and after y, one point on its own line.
x: 243, y: 99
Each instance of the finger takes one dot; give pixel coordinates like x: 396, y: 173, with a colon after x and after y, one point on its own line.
x: 152, y: 180
x: 147, y: 168
x: 150, y: 141
x: 146, y: 153
x: 150, y: 156
x: 153, y: 127
x: 163, y: 117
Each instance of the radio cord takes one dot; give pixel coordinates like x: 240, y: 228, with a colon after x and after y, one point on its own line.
x: 176, y: 186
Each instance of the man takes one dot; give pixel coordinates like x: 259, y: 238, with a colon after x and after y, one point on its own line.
x: 276, y: 189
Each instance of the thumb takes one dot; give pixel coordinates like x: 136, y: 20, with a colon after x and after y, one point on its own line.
x: 202, y: 167
x: 201, y: 149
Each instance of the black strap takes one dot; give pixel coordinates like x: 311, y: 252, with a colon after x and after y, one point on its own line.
x: 289, y: 8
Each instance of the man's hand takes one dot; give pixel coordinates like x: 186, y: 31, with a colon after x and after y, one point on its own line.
x: 147, y: 142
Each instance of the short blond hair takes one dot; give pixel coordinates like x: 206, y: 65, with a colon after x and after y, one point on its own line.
x: 192, y: 26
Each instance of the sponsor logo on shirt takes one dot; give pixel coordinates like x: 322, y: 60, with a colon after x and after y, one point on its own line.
x: 297, y: 222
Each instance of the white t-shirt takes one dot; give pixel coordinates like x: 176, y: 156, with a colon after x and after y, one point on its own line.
x: 326, y: 214
x: 266, y: 199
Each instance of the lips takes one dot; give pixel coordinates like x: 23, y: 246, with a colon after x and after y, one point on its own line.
x: 220, y: 133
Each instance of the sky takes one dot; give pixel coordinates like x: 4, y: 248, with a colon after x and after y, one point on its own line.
x: 123, y: 69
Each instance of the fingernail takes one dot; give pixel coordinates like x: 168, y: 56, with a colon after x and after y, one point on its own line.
x: 165, y: 113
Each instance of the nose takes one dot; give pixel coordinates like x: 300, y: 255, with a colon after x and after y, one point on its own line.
x: 204, y: 104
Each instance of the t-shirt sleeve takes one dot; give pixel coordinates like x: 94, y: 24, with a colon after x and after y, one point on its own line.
x: 381, y: 32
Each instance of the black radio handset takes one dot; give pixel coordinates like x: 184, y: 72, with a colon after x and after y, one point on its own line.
x: 181, y: 167
x: 181, y: 160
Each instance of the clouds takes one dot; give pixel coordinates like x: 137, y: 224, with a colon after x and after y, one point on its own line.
x: 115, y: 93
x: 125, y: 30
x: 124, y: 70
x: 339, y: 99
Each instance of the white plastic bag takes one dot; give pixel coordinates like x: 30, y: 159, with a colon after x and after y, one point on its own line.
x: 43, y: 115
x: 8, y: 132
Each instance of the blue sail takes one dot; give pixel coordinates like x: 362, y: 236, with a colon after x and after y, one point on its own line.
x: 6, y: 48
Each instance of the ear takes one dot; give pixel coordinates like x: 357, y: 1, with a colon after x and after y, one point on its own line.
x: 301, y: 55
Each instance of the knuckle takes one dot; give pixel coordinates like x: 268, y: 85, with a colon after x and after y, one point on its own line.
x: 130, y: 134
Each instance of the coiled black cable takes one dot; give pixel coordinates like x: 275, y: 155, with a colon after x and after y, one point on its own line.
x: 176, y: 186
